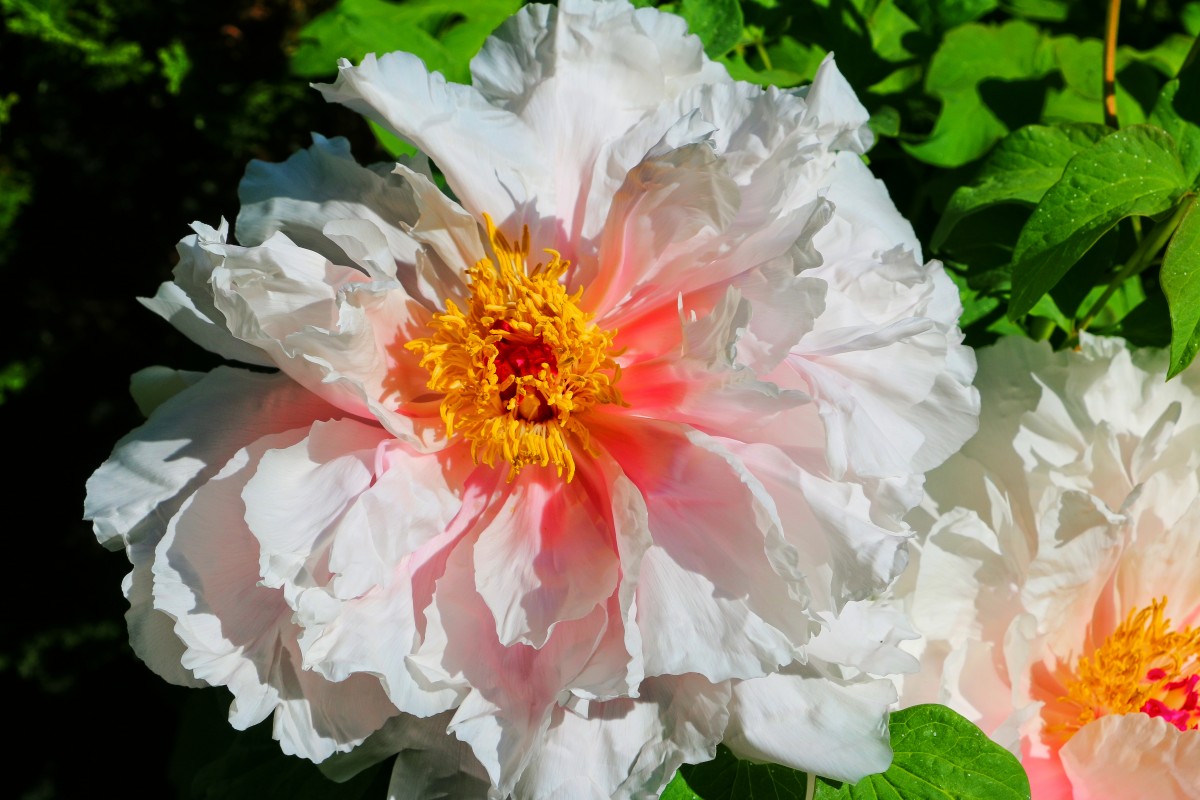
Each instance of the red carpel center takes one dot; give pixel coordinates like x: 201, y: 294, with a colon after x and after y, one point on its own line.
x: 519, y: 356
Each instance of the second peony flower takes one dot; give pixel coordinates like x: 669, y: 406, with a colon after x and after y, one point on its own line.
x: 561, y: 477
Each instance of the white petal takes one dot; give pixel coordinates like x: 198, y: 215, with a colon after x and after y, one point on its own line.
x: 811, y: 723
x: 319, y: 185
x: 334, y: 331
x: 580, y: 97
x: 187, y: 439
x: 1133, y: 756
x: 240, y: 634
x: 628, y: 748
x: 490, y: 158
x: 187, y: 302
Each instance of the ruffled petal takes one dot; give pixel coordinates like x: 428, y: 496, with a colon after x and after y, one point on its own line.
x: 803, y: 720
x: 323, y: 184
x: 489, y: 155
x: 187, y: 301
x: 628, y: 748
x: 154, y: 469
x: 333, y: 330
x: 595, y: 110
x: 240, y: 633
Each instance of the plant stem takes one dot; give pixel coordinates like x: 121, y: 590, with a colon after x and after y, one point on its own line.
x: 762, y: 53
x: 1141, y: 258
x: 1110, y: 64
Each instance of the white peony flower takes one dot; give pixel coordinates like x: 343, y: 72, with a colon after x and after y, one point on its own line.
x: 1058, y: 585
x: 590, y: 467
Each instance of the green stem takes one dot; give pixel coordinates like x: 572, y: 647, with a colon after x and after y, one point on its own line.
x: 762, y: 53
x: 1142, y: 257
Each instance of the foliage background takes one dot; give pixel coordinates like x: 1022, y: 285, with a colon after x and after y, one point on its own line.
x: 121, y: 121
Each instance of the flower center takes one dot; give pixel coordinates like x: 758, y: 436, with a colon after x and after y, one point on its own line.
x: 521, y: 363
x: 1143, y: 666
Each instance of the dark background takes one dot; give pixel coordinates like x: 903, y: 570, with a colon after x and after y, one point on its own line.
x: 102, y: 167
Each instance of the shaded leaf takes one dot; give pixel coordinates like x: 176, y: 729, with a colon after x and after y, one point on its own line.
x: 969, y: 55
x: 728, y: 777
x: 942, y: 15
x: 1134, y: 171
x: 1180, y: 280
x: 1023, y: 166
x: 1178, y: 113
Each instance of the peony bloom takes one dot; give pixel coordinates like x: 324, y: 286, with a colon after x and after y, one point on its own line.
x: 564, y: 479
x: 1058, y: 586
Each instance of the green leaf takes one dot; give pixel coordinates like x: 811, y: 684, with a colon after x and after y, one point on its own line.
x: 393, y: 144
x: 175, y: 65
x: 938, y: 754
x: 798, y: 59
x: 718, y: 23
x: 678, y: 789
x: 975, y: 306
x: 969, y: 56
x: 739, y: 70
x: 727, y: 777
x: 885, y: 122
x: 1177, y: 111
x: 942, y: 15
x: 1023, y: 166
x: 1190, y: 17
x: 1148, y: 325
x: 84, y: 31
x: 445, y: 34
x: 889, y: 28
x: 1039, y: 10
x: 1180, y: 280
x: 1135, y: 171
x: 1081, y: 95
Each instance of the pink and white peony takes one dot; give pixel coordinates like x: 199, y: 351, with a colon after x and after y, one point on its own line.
x: 591, y: 467
x: 1058, y: 585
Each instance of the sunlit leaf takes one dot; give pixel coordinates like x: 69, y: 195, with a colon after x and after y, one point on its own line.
x: 175, y: 65
x: 938, y: 754
x: 1180, y: 280
x: 1135, y: 171
x: 445, y: 34
x: 718, y: 23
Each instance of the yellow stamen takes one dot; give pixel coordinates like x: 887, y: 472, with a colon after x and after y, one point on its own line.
x: 521, y: 364
x: 1143, y: 666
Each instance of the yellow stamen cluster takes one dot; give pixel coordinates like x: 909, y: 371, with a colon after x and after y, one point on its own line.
x: 519, y: 366
x: 1143, y: 665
